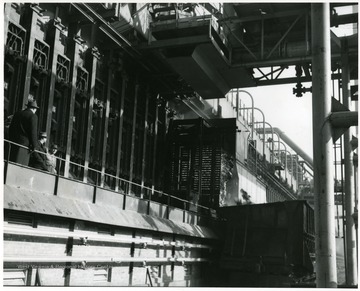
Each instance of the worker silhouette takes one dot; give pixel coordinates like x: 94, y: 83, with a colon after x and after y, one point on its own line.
x: 23, y: 131
x: 38, y: 158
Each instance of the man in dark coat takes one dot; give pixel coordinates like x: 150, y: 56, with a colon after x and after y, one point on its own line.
x: 38, y: 159
x: 23, y: 131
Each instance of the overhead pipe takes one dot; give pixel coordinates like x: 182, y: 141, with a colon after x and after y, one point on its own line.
x: 344, y: 119
x: 324, y: 205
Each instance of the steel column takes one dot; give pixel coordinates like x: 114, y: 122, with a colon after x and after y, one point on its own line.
x: 73, y: 55
x: 30, y: 18
x: 133, y: 136
x: 54, y: 35
x: 351, y: 267
x: 120, y: 133
x: 325, y: 248
x: 154, y: 153
x: 105, y: 123
x: 146, y: 129
x: 91, y: 88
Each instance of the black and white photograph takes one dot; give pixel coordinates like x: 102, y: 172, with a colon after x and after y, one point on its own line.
x: 199, y: 145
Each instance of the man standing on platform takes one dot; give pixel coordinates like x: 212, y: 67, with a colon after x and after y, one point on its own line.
x: 23, y: 131
x: 38, y: 158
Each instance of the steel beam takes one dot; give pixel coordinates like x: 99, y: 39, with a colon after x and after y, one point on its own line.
x: 286, y: 61
x: 325, y: 247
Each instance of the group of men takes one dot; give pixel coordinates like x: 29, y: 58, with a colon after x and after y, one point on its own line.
x: 32, y: 150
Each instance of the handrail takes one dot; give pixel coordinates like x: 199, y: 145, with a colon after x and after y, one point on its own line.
x: 115, y: 177
x: 252, y: 109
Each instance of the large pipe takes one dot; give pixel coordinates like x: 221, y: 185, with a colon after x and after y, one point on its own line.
x: 351, y: 268
x: 344, y: 118
x: 325, y: 247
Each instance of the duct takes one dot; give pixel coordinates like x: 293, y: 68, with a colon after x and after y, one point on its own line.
x: 293, y: 145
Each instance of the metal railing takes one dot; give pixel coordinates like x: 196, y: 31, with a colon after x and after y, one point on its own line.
x: 125, y: 187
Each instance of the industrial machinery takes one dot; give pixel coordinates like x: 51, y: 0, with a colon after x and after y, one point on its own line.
x: 158, y: 143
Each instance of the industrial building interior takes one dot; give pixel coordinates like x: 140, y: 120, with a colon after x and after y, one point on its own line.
x: 167, y: 171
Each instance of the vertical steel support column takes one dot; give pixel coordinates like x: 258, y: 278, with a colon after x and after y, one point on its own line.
x: 92, y: 78
x: 54, y: 52
x: 94, y: 59
x: 30, y: 23
x: 133, y: 135
x: 121, y: 122
x: 154, y: 155
x: 351, y: 268
x: 146, y: 128
x: 73, y: 55
x: 106, y: 121
x: 325, y: 248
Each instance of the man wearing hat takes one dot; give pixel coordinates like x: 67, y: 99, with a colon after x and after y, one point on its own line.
x: 38, y: 159
x: 23, y: 131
